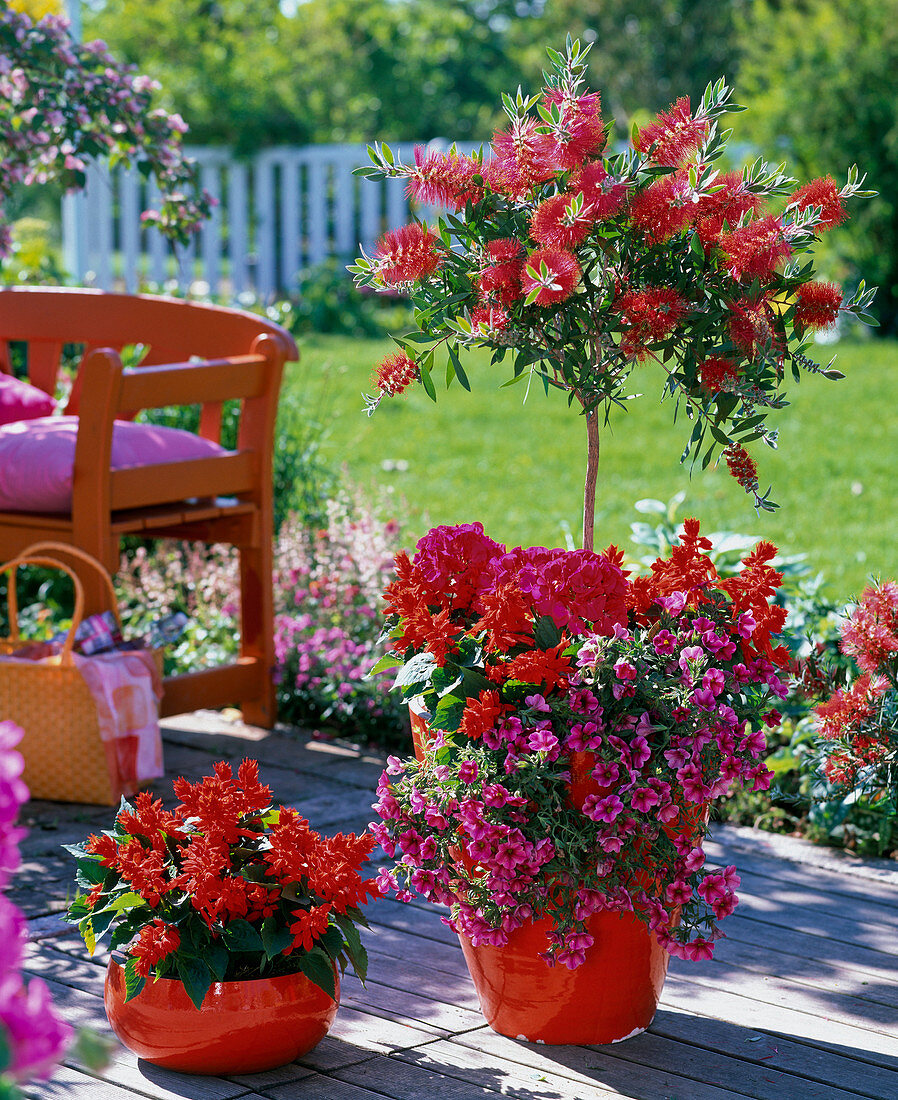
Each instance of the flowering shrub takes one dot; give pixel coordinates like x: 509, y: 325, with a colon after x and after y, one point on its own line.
x: 32, y: 1036
x: 63, y: 102
x: 578, y: 266
x: 580, y: 724
x: 858, y: 724
x: 224, y: 888
x: 327, y: 591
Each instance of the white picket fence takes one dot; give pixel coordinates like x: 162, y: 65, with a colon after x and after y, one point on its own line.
x: 278, y: 213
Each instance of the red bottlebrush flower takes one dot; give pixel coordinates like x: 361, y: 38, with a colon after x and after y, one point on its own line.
x: 650, y: 314
x: 752, y: 328
x: 482, y: 714
x: 395, y: 374
x: 219, y: 804
x: 719, y: 375
x: 724, y: 207
x: 563, y: 274
x: 522, y: 158
x: 444, y: 179
x: 489, y: 319
x: 604, y: 194
x: 676, y: 134
x: 820, y: 192
x: 742, y: 467
x: 554, y: 225
x: 846, y: 711
x: 664, y: 208
x: 754, y: 249
x: 871, y: 633
x: 155, y: 943
x: 817, y: 304
x: 408, y: 253
x: 500, y: 277
x: 579, y: 133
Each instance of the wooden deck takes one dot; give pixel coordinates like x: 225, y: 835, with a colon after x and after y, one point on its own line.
x: 801, y: 1001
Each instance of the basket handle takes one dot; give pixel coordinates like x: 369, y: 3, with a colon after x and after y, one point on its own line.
x: 33, y: 559
x: 56, y: 548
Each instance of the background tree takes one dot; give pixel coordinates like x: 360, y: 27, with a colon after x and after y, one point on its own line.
x: 821, y: 77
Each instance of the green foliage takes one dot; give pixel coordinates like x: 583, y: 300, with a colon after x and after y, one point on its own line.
x: 34, y: 259
x: 821, y: 77
x: 328, y: 301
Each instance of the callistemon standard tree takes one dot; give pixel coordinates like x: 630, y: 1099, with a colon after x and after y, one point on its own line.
x: 579, y: 267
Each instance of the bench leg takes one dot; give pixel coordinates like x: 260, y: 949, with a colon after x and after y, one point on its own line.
x: 257, y: 631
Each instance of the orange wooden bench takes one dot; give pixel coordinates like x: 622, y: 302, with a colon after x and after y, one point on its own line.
x: 198, y: 354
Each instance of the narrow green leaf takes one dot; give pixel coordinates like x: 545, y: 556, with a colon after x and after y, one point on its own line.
x: 358, y: 956
x: 458, y: 368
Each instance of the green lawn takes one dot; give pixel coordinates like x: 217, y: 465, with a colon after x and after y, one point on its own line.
x: 518, y: 467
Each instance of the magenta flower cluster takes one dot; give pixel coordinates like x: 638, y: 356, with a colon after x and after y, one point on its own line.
x: 63, y: 102
x: 567, y: 774
x: 35, y: 1036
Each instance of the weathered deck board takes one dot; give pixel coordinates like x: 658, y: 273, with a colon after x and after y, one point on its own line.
x: 800, y: 1003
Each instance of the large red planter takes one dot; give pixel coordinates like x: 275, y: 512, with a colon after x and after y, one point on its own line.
x: 242, y: 1027
x: 612, y: 996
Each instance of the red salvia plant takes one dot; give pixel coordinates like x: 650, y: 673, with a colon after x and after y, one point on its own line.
x: 579, y: 266
x: 224, y: 887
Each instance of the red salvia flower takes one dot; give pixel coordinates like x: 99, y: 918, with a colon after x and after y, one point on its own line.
x: 820, y: 192
x: 719, y: 375
x: 754, y: 249
x: 548, y: 668
x: 506, y: 617
x: 144, y: 870
x: 395, y: 374
x: 817, y: 304
x: 482, y: 714
x: 563, y: 274
x: 149, y: 820
x: 155, y: 943
x: 444, y: 179
x: 103, y: 846
x: 603, y: 194
x: 675, y: 135
x: 310, y: 924
x: 408, y: 253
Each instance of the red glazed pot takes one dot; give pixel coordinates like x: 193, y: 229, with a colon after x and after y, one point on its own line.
x: 612, y: 996
x: 242, y: 1027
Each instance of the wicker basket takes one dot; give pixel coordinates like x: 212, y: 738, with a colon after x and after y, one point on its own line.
x: 65, y: 758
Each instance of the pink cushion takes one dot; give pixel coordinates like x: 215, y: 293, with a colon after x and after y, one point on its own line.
x: 22, y: 401
x: 37, y: 457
